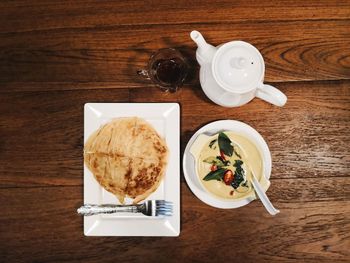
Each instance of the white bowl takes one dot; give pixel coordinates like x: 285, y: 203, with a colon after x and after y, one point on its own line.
x: 189, y: 163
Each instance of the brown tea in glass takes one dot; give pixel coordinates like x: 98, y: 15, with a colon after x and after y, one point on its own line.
x: 167, y: 68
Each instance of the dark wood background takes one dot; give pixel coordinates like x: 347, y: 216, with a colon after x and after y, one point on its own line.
x: 57, y: 55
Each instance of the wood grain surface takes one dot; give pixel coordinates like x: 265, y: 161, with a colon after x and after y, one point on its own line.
x: 76, y: 58
x: 57, y: 55
x: 306, y: 231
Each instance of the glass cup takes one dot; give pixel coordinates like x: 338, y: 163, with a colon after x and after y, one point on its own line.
x: 167, y: 68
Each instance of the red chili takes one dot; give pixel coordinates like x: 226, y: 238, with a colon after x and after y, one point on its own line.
x: 222, y: 155
x: 228, y: 177
x: 213, y: 168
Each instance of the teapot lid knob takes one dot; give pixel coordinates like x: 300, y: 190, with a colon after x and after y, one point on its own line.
x: 238, y: 62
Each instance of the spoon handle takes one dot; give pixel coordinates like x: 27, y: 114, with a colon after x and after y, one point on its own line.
x: 263, y: 197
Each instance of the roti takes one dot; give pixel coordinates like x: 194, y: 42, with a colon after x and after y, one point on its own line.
x: 127, y: 158
x: 144, y: 178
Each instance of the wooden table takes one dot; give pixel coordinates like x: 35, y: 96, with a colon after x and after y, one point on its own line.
x: 57, y: 55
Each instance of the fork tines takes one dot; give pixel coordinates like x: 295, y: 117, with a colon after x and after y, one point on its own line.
x: 163, y: 208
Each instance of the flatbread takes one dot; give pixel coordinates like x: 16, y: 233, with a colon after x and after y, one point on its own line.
x: 144, y: 178
x: 146, y: 142
x: 114, y: 138
x: 127, y: 157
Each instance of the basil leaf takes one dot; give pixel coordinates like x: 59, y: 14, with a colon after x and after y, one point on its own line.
x: 225, y: 162
x: 225, y: 144
x: 215, y: 175
x: 210, y: 159
x: 212, y: 143
x: 238, y: 163
x: 239, y: 175
x: 214, y: 160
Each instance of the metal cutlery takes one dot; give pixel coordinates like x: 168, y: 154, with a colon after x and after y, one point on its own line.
x: 148, y: 208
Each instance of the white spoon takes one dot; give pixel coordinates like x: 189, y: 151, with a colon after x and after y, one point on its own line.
x: 259, y: 190
x: 262, y: 195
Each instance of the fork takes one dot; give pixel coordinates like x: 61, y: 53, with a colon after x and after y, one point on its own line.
x: 148, y: 208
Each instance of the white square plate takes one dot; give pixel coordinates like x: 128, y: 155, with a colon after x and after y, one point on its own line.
x: 165, y: 118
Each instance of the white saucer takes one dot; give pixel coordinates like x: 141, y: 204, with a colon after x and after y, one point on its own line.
x: 189, y: 166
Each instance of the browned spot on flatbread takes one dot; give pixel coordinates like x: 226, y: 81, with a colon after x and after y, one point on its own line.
x: 95, y: 165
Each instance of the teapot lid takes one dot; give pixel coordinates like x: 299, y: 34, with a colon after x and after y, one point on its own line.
x: 238, y: 66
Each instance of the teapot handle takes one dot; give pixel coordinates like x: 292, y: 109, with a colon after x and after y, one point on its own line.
x: 271, y: 94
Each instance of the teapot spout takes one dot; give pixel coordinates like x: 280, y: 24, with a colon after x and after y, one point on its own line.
x: 205, y: 52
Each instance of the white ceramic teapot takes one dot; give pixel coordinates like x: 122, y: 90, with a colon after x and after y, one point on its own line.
x: 232, y: 74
